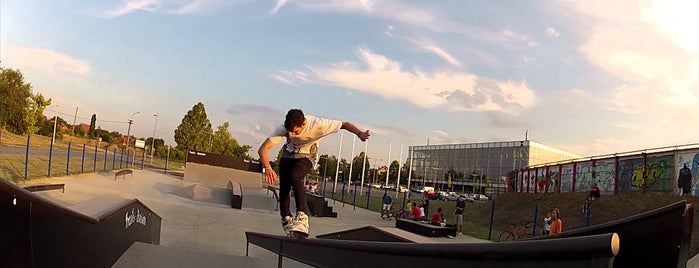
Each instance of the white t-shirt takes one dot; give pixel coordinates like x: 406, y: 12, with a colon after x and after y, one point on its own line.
x: 547, y: 223
x: 305, y: 145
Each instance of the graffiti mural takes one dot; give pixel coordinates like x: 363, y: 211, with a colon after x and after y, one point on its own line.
x: 604, y: 175
x: 583, y: 176
x: 660, y: 173
x: 626, y: 173
x: 567, y: 178
x: 692, y: 161
x: 553, y: 179
x: 532, y: 181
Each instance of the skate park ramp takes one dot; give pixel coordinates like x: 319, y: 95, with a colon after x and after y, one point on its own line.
x: 205, y: 194
x: 216, y: 170
x: 584, y: 251
x: 659, y: 236
x: 38, y: 232
x: 373, y: 233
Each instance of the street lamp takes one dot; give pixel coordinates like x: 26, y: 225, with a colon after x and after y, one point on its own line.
x: 152, y: 144
x: 128, y: 134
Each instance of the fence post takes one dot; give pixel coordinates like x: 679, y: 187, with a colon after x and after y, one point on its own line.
x: 492, y: 218
x: 106, y: 152
x: 536, y: 213
x: 68, y: 160
x: 167, y: 161
x: 121, y: 159
x: 588, y: 215
x: 343, y: 193
x: 50, y: 156
x: 113, y: 159
x: 26, y: 159
x: 82, y: 164
x: 94, y: 163
x: 354, y: 200
x: 368, y: 197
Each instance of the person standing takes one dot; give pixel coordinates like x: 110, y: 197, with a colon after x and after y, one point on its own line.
x: 387, y: 201
x: 459, y: 214
x: 556, y: 223
x: 547, y: 225
x: 685, y: 180
x: 302, y: 135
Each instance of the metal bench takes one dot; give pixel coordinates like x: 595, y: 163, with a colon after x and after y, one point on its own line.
x: 123, y: 173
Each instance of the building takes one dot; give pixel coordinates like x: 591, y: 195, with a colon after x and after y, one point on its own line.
x: 484, y: 168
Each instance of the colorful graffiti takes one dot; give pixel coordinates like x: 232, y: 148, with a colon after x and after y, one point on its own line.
x: 583, y: 177
x: 567, y: 178
x: 603, y: 175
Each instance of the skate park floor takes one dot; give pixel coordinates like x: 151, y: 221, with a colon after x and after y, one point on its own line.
x: 198, y: 224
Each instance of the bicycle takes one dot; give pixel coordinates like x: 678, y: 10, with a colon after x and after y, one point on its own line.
x: 400, y: 214
x: 516, y: 233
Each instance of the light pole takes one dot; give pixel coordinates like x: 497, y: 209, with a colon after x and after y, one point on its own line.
x: 152, y: 144
x: 128, y: 135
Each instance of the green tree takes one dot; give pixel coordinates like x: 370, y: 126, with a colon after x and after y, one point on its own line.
x: 93, y: 120
x: 35, y: 112
x: 327, y: 165
x: 195, y: 130
x: 224, y: 143
x: 16, y: 94
x: 393, y: 178
x: 357, y: 167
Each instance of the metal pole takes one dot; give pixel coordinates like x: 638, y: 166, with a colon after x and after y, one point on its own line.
x: 143, y: 159
x: 53, y: 138
x: 94, y: 163
x: 349, y: 177
x: 354, y: 200
x: 113, y: 158
x: 106, y: 151
x: 400, y: 158
x: 68, y: 160
x: 26, y: 159
x: 492, y: 217
x: 72, y: 129
x: 410, y: 171
x: 82, y: 163
x: 388, y: 163
x: 121, y: 158
x: 361, y: 187
x: 337, y: 168
x: 536, y: 216
x: 152, y: 144
x: 167, y: 160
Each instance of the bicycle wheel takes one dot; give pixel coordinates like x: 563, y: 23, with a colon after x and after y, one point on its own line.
x: 506, y: 236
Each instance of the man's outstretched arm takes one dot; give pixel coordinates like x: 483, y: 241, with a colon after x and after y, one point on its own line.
x: 362, y: 135
x: 263, y: 152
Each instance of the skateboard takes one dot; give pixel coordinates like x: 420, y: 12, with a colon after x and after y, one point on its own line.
x: 297, y: 234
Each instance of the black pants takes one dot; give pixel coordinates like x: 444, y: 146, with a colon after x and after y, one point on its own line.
x: 291, y: 174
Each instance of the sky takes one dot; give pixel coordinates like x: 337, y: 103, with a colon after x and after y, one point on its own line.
x: 590, y: 77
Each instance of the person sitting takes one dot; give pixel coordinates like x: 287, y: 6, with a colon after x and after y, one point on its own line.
x: 594, y: 192
x: 437, y: 217
x: 416, y: 212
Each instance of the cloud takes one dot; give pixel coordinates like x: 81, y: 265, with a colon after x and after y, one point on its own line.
x: 46, y: 60
x: 440, y: 133
x: 455, y: 91
x: 653, y: 46
x: 166, y: 6
x: 326, y: 5
x: 550, y: 31
x: 433, y: 48
x: 240, y: 109
x: 418, y: 17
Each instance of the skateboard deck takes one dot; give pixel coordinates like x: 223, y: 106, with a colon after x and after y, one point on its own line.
x: 297, y: 234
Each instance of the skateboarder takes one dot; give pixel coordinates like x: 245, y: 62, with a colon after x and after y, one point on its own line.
x: 299, y: 154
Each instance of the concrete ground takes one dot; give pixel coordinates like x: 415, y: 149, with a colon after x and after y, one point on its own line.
x: 208, y: 227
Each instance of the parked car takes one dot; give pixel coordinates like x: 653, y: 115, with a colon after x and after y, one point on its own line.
x: 452, y: 196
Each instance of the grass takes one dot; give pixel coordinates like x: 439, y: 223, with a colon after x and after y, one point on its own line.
x: 521, y: 208
x: 12, y: 165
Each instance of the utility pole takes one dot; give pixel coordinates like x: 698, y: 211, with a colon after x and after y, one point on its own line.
x: 152, y: 144
x: 72, y: 130
x: 128, y: 135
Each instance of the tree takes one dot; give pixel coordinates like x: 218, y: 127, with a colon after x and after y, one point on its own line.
x: 357, y: 167
x: 224, y: 143
x: 93, y: 120
x: 327, y: 165
x: 195, y: 130
x: 35, y: 112
x: 14, y: 102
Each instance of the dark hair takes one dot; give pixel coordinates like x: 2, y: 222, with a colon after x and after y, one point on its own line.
x: 294, y: 118
x: 439, y: 210
x: 557, y: 213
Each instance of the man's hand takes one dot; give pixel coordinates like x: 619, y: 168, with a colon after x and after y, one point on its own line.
x: 270, y: 175
x: 364, y: 135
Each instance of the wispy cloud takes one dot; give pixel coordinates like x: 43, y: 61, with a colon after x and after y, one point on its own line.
x: 326, y: 5
x: 658, y: 66
x: 167, y: 6
x: 239, y: 109
x: 456, y: 91
x: 433, y: 48
x: 550, y: 31
x: 47, y: 60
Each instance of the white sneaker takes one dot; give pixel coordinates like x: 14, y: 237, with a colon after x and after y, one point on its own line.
x: 300, y: 223
x: 287, y: 222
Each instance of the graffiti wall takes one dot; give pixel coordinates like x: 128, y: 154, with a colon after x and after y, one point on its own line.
x: 660, y: 174
x: 603, y: 175
x: 628, y: 170
x: 567, y: 178
x: 583, y: 176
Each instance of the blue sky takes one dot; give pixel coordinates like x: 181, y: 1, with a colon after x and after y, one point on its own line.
x: 591, y: 77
